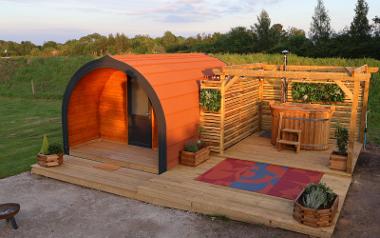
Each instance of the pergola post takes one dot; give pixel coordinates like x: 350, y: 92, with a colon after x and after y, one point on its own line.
x: 364, y: 109
x: 222, y: 109
x: 352, y: 128
x: 261, y: 93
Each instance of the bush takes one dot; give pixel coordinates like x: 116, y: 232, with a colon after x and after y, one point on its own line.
x: 317, y: 196
x: 210, y: 99
x: 194, y: 146
x: 45, y: 146
x: 341, y: 135
x: 55, y: 148
x: 317, y: 92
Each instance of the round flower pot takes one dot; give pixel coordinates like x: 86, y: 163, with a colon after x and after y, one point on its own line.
x: 315, y: 217
x: 52, y: 160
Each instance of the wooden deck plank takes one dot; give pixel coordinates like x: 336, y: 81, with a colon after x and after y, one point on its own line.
x: 259, y: 149
x: 120, y: 154
x: 178, y: 189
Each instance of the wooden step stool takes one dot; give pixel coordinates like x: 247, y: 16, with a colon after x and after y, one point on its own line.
x: 282, y: 131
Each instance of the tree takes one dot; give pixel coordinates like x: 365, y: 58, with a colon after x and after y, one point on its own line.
x: 277, y: 33
x: 360, y: 28
x: 320, y: 29
x: 50, y: 44
x: 295, y: 41
x: 376, y: 26
x: 168, y: 40
x: 238, y: 40
x: 144, y: 44
x: 261, y: 31
x: 122, y: 43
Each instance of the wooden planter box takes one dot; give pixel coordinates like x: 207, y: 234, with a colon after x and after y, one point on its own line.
x: 49, y: 160
x: 315, y: 217
x: 338, y: 162
x: 194, y: 159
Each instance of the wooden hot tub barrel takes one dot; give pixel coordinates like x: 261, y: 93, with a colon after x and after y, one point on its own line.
x: 312, y: 119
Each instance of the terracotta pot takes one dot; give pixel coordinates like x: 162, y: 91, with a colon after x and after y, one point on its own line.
x: 195, y: 158
x: 52, y: 160
x: 337, y: 161
x: 315, y: 217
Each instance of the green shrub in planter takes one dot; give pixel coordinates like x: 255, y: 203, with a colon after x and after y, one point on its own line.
x: 317, y: 196
x: 194, y: 146
x: 341, y: 135
x: 45, y: 146
x: 55, y: 148
x: 191, y: 147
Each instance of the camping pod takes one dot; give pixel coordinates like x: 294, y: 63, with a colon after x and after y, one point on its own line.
x: 135, y: 101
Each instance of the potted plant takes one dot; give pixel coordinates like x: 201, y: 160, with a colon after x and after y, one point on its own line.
x: 194, y: 153
x: 50, y: 155
x: 316, y: 206
x: 338, y: 159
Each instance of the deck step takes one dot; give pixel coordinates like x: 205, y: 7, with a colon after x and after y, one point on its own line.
x: 288, y: 130
x: 288, y: 142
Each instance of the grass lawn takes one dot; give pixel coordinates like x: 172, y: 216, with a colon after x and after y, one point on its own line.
x: 22, y: 123
x: 24, y: 118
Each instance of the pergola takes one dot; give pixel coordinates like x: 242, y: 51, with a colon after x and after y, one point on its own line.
x: 247, y: 89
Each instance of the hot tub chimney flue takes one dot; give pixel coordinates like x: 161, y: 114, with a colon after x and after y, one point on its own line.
x: 284, y: 83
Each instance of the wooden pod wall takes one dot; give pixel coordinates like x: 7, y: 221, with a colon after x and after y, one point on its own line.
x: 94, y: 104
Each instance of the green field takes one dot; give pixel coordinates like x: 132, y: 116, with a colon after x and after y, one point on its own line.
x: 24, y: 118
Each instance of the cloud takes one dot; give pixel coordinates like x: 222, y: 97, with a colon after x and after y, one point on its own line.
x: 168, y: 11
x: 185, y: 11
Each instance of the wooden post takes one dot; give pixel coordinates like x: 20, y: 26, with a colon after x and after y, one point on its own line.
x: 364, y: 109
x: 261, y: 93
x: 353, y: 128
x: 222, y: 112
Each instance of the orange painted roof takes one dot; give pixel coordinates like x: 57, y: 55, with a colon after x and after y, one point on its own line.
x: 173, y: 76
x: 175, y: 79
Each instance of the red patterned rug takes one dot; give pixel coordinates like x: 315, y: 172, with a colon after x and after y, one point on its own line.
x: 274, y: 180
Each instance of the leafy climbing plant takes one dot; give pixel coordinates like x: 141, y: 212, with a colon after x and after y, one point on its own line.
x: 317, y: 92
x: 210, y: 99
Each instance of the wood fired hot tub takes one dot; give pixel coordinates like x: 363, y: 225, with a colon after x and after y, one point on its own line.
x: 312, y: 119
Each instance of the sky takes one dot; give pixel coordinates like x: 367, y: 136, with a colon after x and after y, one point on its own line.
x: 43, y: 20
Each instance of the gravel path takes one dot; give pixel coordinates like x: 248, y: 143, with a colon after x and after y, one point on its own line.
x: 50, y: 208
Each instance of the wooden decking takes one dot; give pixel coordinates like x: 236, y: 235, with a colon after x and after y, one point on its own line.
x: 124, y: 155
x: 178, y: 189
x: 260, y: 149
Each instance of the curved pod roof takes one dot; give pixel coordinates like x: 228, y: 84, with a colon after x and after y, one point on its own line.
x: 171, y: 82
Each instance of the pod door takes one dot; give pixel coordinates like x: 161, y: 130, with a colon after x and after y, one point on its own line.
x: 139, y: 116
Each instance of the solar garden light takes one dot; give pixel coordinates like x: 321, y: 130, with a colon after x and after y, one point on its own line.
x: 284, y: 84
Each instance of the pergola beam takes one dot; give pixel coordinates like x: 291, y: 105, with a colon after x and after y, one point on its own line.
x: 347, y: 91
x: 230, y: 82
x: 315, y: 68
x: 296, y: 75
